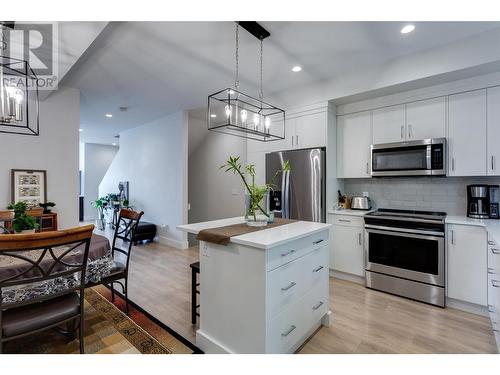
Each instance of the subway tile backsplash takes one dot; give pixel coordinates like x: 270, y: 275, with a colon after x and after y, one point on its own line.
x: 446, y: 194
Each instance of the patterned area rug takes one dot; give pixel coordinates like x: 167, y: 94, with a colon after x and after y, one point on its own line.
x: 107, y: 331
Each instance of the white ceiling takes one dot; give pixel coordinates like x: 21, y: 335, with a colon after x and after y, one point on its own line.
x: 156, y: 68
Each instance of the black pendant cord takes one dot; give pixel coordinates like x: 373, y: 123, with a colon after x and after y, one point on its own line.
x: 261, y: 93
x: 237, y: 57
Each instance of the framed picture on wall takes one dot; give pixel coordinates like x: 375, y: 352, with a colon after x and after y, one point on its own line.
x: 29, y: 186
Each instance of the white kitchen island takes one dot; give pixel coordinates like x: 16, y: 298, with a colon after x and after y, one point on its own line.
x: 266, y: 291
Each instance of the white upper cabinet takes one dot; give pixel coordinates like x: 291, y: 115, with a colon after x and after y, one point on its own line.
x: 310, y: 130
x: 389, y: 124
x: 493, y: 131
x: 426, y: 119
x: 353, y: 145
x: 467, y: 264
x: 467, y: 134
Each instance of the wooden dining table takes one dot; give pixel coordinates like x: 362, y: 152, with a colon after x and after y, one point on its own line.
x: 98, y: 267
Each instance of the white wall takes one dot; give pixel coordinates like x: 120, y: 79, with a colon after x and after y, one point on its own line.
x: 97, y: 159
x: 55, y: 150
x: 214, y: 194
x: 153, y: 158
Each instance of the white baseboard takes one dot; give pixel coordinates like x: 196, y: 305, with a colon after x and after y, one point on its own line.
x: 467, y: 307
x: 173, y: 243
x: 347, y: 276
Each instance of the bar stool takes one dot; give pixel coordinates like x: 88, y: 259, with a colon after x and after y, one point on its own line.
x: 195, y: 269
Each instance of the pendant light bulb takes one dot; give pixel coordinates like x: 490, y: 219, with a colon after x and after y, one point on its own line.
x: 244, y: 115
x: 267, y: 123
x: 228, y: 109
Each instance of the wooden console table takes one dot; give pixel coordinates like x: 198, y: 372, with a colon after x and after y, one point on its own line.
x: 48, y: 222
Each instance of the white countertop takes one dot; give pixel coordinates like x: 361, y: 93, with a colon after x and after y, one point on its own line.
x: 350, y: 212
x: 492, y: 226
x: 263, y: 239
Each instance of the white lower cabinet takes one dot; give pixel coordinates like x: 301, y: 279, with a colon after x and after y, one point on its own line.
x: 346, y: 249
x: 467, y: 264
x: 298, y: 299
x: 494, y: 287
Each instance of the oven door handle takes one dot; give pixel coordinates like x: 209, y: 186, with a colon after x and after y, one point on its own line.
x: 403, y: 231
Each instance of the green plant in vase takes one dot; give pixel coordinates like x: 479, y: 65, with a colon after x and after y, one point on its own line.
x: 22, y: 221
x: 255, y: 194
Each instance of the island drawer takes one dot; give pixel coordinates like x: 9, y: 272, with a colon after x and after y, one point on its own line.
x: 285, y: 253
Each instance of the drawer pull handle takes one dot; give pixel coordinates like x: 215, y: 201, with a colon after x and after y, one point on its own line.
x: 317, y: 242
x: 318, y: 306
x: 495, y: 283
x: 292, y: 328
x: 288, y: 253
x: 344, y: 221
x: 318, y: 269
x: 491, y: 243
x: 292, y: 284
x: 495, y: 251
x: 491, y: 270
x: 491, y: 309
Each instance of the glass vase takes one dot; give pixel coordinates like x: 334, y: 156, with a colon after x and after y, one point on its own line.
x: 256, y: 213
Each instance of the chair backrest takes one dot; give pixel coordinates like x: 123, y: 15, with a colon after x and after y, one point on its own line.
x: 128, y: 220
x: 57, y: 258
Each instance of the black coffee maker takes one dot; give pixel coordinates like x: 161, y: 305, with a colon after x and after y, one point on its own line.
x: 478, y: 201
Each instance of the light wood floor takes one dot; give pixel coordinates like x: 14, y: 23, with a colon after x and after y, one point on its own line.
x: 364, y: 320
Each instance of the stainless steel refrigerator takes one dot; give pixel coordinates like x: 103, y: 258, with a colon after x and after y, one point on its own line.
x: 300, y: 193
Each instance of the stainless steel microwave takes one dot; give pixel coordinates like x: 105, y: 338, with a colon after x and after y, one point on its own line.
x: 426, y: 157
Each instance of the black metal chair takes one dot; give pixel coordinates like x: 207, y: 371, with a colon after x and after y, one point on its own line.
x: 58, y: 258
x: 195, y: 270
x: 128, y: 220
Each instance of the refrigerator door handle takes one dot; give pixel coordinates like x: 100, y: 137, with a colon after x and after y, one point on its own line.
x: 283, y: 195
x: 286, y: 203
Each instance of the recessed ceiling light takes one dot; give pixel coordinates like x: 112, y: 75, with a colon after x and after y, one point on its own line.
x: 109, y: 115
x: 296, y: 69
x: 80, y: 130
x: 407, y: 29
x: 213, y: 115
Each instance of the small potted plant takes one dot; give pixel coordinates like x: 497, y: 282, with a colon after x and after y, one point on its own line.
x: 47, y: 206
x: 22, y: 222
x: 257, y: 197
x: 101, y: 206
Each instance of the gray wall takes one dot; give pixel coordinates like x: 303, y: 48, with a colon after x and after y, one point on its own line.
x: 214, y: 194
x: 55, y: 150
x: 97, y: 159
x: 423, y: 193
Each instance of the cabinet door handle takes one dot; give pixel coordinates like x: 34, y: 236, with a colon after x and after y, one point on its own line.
x: 452, y: 164
x: 453, y: 237
x: 318, y: 241
x: 409, y: 131
x: 367, y: 168
x: 402, y: 131
x: 318, y: 306
x: 296, y: 140
x: 344, y: 221
x: 292, y: 140
x: 491, y: 243
x: 289, y: 331
x: 292, y: 284
x: 492, y: 163
x: 491, y: 271
x: 495, y: 251
x: 359, y: 238
x: 495, y: 283
x: 287, y: 253
x: 318, y: 269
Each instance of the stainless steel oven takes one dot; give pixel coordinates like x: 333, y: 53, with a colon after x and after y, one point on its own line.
x: 405, y: 254
x: 415, y: 158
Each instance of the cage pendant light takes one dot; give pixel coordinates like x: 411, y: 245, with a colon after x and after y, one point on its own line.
x: 18, y: 94
x: 230, y: 111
